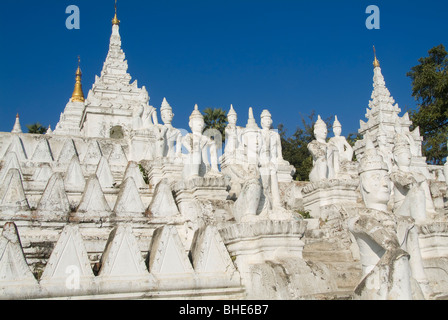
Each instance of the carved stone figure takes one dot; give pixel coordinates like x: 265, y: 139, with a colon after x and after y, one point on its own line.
x: 270, y: 157
x: 246, y: 206
x: 318, y: 148
x: 137, y: 122
x: 173, y: 137
x: 234, y: 147
x: 388, y: 243
x: 384, y: 148
x: 411, y: 190
x: 340, y: 150
x: 197, y: 163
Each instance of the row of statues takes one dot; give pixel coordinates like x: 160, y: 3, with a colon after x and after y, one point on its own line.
x: 328, y: 156
x: 198, y: 150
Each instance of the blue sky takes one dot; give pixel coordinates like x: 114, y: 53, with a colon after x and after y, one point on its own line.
x: 288, y: 56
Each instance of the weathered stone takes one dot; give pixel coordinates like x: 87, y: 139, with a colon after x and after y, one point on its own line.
x: 74, y: 178
x: 167, y: 254
x: 93, y: 204
x: 68, y: 270
x: 42, y: 153
x: 12, y: 194
x: 54, y: 204
x: 163, y: 203
x: 129, y: 203
x: 104, y: 174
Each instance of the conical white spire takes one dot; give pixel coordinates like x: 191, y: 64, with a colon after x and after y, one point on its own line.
x: 17, y: 127
x: 251, y: 123
x: 381, y: 97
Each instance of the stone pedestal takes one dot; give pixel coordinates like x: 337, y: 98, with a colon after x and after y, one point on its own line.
x: 433, y: 240
x: 201, y: 189
x: 268, y: 255
x: 329, y: 192
x: 285, y: 173
x: 142, y: 145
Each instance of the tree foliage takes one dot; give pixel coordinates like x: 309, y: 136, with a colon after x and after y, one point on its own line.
x: 430, y: 89
x: 36, y: 128
x: 216, y: 119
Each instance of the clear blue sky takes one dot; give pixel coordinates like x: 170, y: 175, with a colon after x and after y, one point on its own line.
x: 288, y: 56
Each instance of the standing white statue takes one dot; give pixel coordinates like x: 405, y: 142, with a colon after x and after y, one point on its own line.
x: 172, y: 136
x: 387, y: 242
x: 340, y: 150
x: 234, y: 147
x: 270, y: 157
x: 322, y: 168
x: 198, y: 145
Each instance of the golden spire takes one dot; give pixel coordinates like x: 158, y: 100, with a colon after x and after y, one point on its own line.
x: 376, y: 63
x: 78, y: 95
x: 115, y: 20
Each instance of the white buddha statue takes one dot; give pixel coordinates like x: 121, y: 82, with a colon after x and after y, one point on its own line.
x: 341, y: 151
x: 322, y: 168
x: 198, y: 145
x: 234, y: 147
x: 173, y: 137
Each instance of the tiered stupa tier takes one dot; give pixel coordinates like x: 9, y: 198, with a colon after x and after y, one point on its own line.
x: 111, y: 104
x: 113, y: 99
x: 70, y: 120
x: 383, y: 116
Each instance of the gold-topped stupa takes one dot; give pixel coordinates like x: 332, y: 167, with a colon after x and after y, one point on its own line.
x: 78, y: 95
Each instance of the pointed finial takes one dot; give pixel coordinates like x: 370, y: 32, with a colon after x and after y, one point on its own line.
x: 196, y: 113
x: 376, y: 63
x: 336, y: 123
x: 78, y: 72
x: 115, y: 20
x: 232, y: 111
x: 78, y: 95
x: 251, y: 123
x: 320, y: 123
x: 165, y: 105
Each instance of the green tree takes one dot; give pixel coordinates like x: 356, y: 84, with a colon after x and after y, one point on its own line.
x: 216, y: 119
x: 36, y: 128
x: 430, y: 90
